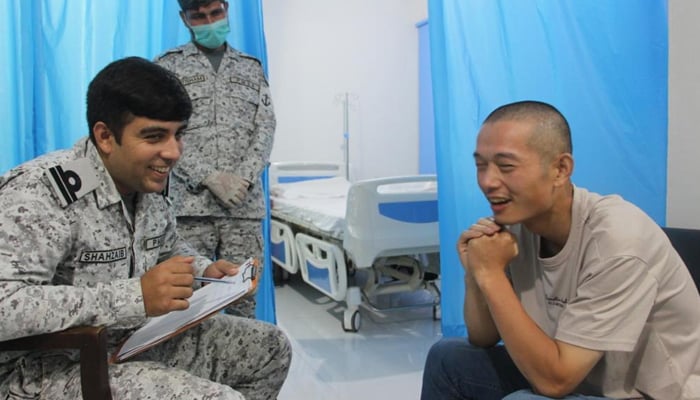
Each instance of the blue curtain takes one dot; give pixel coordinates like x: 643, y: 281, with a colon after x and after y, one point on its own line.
x: 51, y: 49
x: 603, y: 64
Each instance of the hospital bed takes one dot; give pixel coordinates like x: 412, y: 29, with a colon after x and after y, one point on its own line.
x: 327, y: 229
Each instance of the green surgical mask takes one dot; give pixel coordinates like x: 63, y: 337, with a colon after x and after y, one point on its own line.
x: 211, y: 35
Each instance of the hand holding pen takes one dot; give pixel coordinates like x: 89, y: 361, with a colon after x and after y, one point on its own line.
x: 167, y: 286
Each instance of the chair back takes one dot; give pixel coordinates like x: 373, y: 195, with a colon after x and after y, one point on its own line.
x: 687, y: 244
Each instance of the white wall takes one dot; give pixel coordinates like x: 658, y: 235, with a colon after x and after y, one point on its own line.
x: 320, y: 49
x: 683, y: 197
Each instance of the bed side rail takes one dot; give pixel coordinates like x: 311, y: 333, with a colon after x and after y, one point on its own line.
x: 292, y: 171
x: 322, y: 266
x: 283, y: 249
x: 391, y: 216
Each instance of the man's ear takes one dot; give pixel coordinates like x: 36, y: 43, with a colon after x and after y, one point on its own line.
x: 104, y: 138
x: 564, y: 164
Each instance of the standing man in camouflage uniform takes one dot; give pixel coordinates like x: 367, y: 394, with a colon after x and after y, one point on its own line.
x: 88, y: 238
x: 216, y: 187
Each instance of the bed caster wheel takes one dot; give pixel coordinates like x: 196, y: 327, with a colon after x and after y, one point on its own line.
x: 437, y: 313
x: 351, y: 321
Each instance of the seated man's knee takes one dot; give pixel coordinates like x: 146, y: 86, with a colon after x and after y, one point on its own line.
x: 284, y: 346
x: 276, y: 340
x: 448, y: 348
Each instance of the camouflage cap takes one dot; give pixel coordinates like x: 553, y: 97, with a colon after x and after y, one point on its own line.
x: 195, y: 4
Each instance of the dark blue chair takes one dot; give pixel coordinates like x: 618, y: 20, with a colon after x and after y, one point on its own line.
x: 687, y: 244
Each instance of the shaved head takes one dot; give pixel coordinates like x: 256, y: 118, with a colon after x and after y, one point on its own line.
x: 550, y: 134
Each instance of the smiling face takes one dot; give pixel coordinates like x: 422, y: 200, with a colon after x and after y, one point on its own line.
x: 147, y: 151
x: 521, y: 184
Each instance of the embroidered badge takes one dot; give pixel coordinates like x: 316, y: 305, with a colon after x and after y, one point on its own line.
x: 154, y: 242
x: 187, y: 80
x: 246, y: 83
x: 103, y: 256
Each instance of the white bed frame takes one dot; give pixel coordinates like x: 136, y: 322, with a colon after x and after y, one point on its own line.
x: 396, y: 253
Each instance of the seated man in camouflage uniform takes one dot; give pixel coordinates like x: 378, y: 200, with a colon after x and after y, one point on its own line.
x: 88, y: 238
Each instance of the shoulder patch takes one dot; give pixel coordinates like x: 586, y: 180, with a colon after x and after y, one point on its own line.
x: 72, y: 180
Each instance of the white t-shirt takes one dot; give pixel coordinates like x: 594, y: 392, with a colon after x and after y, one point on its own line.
x: 617, y: 286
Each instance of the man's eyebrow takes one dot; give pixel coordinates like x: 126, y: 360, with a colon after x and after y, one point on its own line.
x: 499, y: 156
x: 509, y: 156
x: 152, y: 129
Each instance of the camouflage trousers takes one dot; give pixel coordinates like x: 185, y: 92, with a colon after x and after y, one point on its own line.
x: 232, y: 239
x: 225, y: 357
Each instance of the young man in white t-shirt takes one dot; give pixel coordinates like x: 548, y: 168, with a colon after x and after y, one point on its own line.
x: 585, y: 291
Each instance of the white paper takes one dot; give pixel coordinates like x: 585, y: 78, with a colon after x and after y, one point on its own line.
x: 204, y: 301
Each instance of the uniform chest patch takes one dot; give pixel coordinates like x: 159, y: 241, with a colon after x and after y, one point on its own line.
x: 188, y: 80
x: 154, y: 242
x: 243, y: 82
x: 103, y: 256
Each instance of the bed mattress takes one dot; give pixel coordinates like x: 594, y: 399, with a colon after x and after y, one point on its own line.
x: 317, y: 204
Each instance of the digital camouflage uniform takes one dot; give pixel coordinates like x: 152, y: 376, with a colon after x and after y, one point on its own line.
x: 231, y: 130
x: 70, y: 255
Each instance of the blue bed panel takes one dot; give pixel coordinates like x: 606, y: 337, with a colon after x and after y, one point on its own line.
x: 415, y: 212
x: 277, y: 250
x: 319, y: 276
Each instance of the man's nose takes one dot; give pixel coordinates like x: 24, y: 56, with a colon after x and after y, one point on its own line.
x: 489, y: 177
x: 172, y: 149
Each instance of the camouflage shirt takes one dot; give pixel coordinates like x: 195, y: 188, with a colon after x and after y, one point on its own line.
x: 70, y: 253
x: 231, y: 129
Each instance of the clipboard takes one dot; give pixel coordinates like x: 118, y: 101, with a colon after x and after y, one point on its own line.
x: 205, y: 302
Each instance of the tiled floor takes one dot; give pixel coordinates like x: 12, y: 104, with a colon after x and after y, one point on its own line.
x: 384, y: 360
